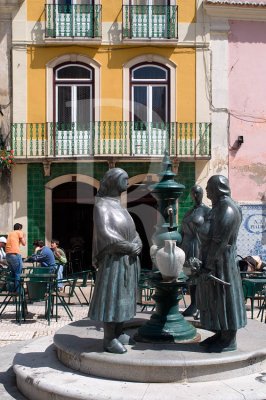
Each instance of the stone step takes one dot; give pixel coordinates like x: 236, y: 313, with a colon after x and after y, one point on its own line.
x: 41, y: 376
x: 79, y: 346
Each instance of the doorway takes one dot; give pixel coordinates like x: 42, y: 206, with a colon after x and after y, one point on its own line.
x: 72, y: 222
x: 143, y: 209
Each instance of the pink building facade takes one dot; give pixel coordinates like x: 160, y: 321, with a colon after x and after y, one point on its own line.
x: 242, y: 32
x: 247, y: 110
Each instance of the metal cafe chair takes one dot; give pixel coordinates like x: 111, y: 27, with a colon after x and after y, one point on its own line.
x: 145, y: 291
x: 145, y: 299
x: 252, y: 289
x: 82, y: 282
x: 262, y: 306
x: 39, y: 284
x: 59, y: 297
x: 12, y: 298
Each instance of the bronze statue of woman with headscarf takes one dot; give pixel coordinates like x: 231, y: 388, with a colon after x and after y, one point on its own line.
x: 116, y: 246
x: 192, y: 228
x: 219, y: 292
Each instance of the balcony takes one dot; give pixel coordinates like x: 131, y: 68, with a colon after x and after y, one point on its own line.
x: 76, y: 20
x: 150, y: 22
x: 100, y: 139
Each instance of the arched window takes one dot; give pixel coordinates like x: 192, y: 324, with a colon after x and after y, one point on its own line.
x: 150, y: 108
x: 149, y: 94
x: 74, y: 95
x: 74, y: 109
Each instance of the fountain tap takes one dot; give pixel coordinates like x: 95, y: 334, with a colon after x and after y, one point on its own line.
x: 170, y: 212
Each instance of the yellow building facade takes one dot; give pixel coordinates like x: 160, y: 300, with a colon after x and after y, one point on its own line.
x: 98, y: 84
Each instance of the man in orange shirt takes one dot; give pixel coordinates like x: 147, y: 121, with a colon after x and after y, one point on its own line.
x: 13, y: 256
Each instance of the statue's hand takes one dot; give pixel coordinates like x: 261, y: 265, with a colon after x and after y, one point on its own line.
x: 194, y: 263
x: 192, y: 266
x: 136, y: 249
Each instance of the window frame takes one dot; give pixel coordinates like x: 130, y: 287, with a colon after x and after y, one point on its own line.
x: 73, y: 82
x: 149, y: 83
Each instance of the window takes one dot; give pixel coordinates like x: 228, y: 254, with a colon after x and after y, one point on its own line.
x: 73, y: 107
x: 149, y: 94
x: 150, y: 110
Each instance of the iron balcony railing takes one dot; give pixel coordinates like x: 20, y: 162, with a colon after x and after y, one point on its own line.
x: 150, y: 22
x: 76, y: 20
x: 111, y: 138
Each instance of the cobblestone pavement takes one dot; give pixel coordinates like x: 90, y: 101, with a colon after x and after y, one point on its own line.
x: 36, y: 325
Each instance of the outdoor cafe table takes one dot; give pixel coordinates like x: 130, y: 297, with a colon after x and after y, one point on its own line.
x: 252, y: 274
x: 39, y: 287
x: 251, y: 287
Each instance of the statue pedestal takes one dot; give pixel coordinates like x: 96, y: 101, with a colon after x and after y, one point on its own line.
x: 166, y: 323
x: 73, y: 366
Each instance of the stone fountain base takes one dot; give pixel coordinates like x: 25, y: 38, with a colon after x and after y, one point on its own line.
x: 75, y: 367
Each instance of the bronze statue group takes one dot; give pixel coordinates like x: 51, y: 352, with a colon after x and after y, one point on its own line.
x: 209, y: 241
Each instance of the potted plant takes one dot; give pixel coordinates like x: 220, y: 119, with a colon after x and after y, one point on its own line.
x: 6, y: 159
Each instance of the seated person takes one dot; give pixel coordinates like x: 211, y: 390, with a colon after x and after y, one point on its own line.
x: 251, y: 264
x: 60, y: 259
x: 44, y: 256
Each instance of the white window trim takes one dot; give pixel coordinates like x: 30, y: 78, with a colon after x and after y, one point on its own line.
x: 147, y: 79
x: 73, y: 87
x: 72, y: 58
x: 73, y: 79
x: 148, y: 58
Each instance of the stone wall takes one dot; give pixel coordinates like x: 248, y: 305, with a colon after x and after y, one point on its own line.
x: 6, y: 219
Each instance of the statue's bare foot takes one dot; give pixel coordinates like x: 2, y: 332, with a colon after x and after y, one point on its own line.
x: 126, y: 339
x: 115, y: 346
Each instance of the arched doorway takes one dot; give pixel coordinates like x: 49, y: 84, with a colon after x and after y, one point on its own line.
x: 142, y: 207
x: 72, y: 221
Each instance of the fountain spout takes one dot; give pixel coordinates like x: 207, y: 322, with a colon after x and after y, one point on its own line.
x: 170, y: 212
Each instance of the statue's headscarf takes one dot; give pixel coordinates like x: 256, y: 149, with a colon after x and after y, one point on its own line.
x: 219, y: 185
x: 110, y: 182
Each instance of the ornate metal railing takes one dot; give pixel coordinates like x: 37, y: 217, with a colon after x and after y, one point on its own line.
x: 111, y: 138
x: 76, y: 20
x: 149, y: 22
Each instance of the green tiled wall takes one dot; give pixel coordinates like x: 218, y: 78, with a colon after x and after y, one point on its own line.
x: 36, y: 192
x: 36, y: 210
x: 37, y: 181
x: 137, y: 168
x: 186, y: 176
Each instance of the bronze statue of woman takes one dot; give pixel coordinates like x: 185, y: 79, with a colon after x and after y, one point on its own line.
x: 116, y: 246
x: 219, y: 292
x: 191, y: 227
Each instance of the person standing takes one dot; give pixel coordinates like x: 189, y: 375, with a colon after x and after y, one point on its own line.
x: 219, y: 292
x: 15, y: 239
x: 116, y: 246
x: 60, y: 259
x: 191, y: 227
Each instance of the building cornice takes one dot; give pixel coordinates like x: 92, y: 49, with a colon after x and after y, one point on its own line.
x: 237, y: 12
x: 252, y: 3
